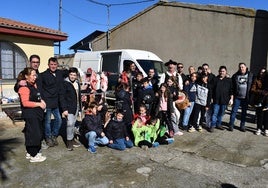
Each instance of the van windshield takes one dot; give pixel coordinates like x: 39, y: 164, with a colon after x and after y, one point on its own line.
x: 150, y: 64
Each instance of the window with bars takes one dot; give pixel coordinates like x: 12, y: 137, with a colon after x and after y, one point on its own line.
x: 12, y: 60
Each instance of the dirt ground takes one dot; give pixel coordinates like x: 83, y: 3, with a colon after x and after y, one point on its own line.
x: 219, y: 159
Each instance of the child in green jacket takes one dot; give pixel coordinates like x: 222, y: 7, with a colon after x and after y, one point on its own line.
x: 150, y: 135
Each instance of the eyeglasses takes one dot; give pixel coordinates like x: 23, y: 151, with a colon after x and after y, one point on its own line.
x: 180, y: 67
x: 35, y: 62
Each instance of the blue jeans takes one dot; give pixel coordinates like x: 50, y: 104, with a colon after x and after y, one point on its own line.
x: 121, y: 144
x: 187, y: 114
x: 217, y: 114
x: 244, y: 106
x: 52, y: 129
x: 92, y: 139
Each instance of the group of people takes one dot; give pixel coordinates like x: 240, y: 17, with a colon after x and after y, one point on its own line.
x: 53, y: 92
x: 148, y: 110
x: 195, y: 100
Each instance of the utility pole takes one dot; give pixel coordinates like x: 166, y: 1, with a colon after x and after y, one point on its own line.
x: 108, y: 24
x: 60, y: 14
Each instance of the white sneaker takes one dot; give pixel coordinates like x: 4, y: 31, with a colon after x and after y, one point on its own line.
x: 199, y: 129
x: 37, y: 158
x: 28, y: 156
x: 192, y: 129
x: 266, y: 133
x: 44, y: 145
x: 179, y: 133
x: 258, y: 132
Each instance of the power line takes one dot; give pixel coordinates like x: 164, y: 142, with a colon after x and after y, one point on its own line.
x: 108, y: 6
x: 120, y: 4
x: 103, y: 4
x: 80, y: 18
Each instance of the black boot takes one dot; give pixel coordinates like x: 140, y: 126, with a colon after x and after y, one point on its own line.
x: 69, y: 145
x: 54, y: 140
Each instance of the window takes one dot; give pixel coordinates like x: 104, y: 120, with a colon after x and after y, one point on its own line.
x: 150, y: 64
x: 12, y: 60
x: 110, y: 64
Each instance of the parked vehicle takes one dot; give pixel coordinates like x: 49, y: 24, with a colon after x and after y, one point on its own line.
x: 113, y: 61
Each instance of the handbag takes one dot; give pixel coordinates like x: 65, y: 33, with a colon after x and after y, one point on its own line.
x: 182, y: 102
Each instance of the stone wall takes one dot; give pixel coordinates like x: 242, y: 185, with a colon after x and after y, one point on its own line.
x: 195, y: 34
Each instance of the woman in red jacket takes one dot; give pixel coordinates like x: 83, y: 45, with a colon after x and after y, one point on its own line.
x: 33, y: 112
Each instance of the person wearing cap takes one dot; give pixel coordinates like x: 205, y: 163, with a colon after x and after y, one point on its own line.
x: 171, y: 72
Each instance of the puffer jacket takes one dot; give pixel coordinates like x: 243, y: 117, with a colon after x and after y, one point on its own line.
x: 116, y: 129
x: 91, y: 123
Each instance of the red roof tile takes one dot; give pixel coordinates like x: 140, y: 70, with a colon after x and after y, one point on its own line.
x: 13, y: 27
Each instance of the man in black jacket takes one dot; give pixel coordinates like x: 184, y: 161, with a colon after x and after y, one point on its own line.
x: 242, y: 81
x: 52, y: 93
x: 222, y: 96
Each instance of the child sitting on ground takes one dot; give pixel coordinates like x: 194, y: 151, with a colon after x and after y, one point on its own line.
x: 150, y: 135
x: 116, y: 131
x: 92, y: 128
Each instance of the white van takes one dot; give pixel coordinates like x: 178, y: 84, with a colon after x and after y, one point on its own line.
x: 113, y: 62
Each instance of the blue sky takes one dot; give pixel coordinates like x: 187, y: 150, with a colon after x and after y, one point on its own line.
x: 82, y: 17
